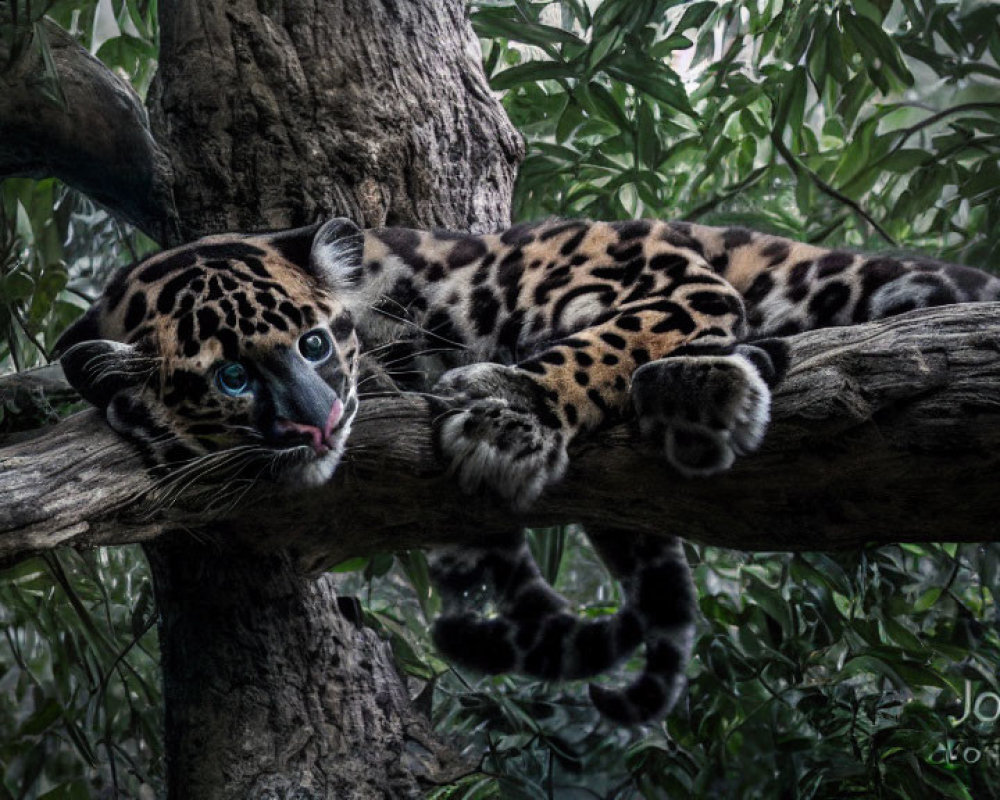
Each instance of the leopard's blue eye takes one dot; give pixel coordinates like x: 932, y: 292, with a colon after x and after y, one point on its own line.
x: 232, y: 378
x: 316, y: 345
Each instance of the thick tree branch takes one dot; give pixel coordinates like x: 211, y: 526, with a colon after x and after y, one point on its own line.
x: 884, y: 432
x: 98, y: 141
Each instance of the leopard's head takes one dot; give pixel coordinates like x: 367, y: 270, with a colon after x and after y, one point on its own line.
x: 231, y: 356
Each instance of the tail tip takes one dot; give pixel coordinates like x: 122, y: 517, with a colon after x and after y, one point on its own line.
x: 644, y: 701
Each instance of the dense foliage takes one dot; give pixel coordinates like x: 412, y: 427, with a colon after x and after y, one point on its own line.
x: 862, y: 122
x: 869, y: 123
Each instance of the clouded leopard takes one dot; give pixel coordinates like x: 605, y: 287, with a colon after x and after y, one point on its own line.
x: 249, y: 346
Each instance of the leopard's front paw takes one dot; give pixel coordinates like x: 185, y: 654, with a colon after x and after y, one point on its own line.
x: 493, y: 435
x: 705, y: 410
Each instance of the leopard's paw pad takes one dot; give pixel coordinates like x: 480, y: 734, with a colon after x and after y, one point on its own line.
x: 705, y: 410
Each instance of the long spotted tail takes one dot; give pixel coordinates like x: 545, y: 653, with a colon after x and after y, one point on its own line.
x: 531, y: 631
x: 659, y: 593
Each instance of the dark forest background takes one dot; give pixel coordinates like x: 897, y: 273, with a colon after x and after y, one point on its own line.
x: 872, y: 125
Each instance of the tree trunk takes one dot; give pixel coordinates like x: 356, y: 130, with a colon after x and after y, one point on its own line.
x: 272, y: 692
x: 273, y: 114
x: 376, y: 110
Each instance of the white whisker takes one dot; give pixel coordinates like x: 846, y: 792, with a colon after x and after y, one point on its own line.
x: 417, y: 326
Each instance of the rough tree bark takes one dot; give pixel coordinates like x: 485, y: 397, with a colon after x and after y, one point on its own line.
x: 96, y: 140
x: 882, y: 432
x: 376, y: 110
x: 267, y: 116
x: 274, y: 694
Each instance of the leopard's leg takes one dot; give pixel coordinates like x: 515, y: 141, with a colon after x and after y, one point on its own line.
x: 705, y: 404
x: 507, y: 427
x: 496, y: 430
x: 532, y: 630
x: 660, y: 596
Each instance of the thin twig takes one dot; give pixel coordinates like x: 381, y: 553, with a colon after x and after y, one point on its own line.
x: 924, y: 123
x: 727, y: 192
x: 798, y: 167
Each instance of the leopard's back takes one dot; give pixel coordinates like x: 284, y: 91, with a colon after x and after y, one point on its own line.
x: 790, y: 286
x: 510, y: 295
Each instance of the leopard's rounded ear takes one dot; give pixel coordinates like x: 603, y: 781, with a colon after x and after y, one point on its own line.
x: 330, y: 251
x: 99, y: 369
x: 337, y: 253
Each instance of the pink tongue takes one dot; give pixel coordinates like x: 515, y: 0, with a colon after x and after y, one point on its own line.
x: 319, y: 438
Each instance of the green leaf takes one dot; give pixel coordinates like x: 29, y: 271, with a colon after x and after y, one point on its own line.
x: 42, y: 719
x: 379, y: 565
x: 17, y: 286
x: 531, y: 72
x: 870, y: 664
x: 600, y: 49
x: 904, y: 161
x: 548, y: 545
x: 919, y: 675
x: 607, y: 106
x: 694, y: 16
x: 771, y: 601
x: 406, y: 656
x: 351, y: 564
x: 927, y: 599
x: 818, y: 56
x: 653, y: 79
x: 791, y: 102
x: 414, y: 565
x: 105, y: 25
x: 665, y: 47
x: 648, y: 142
x: 749, y: 121
x: 901, y: 635
x: 946, y: 784
x: 876, y: 48
x: 569, y: 122
x: 494, y: 23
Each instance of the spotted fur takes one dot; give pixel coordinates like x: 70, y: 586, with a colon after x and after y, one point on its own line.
x: 236, y: 358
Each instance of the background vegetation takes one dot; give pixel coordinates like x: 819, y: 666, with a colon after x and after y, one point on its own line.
x: 870, y: 123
